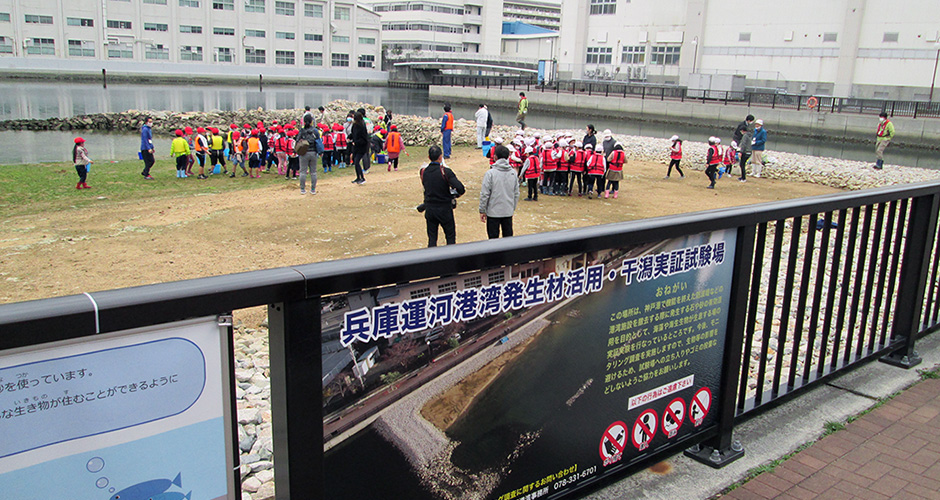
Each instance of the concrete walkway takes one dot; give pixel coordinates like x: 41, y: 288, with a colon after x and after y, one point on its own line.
x: 891, y: 452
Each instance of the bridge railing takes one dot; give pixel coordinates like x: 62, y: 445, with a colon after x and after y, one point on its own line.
x: 819, y: 285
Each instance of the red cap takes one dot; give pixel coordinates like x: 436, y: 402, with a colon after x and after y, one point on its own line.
x: 188, y: 130
x: 274, y: 122
x: 246, y: 126
x: 254, y: 132
x: 79, y: 140
x: 375, y: 128
x: 293, y: 132
x: 337, y: 127
x: 236, y: 135
x: 393, y: 127
x: 215, y: 130
x: 293, y: 123
x: 201, y: 130
x: 179, y: 133
x: 260, y: 124
x: 262, y: 130
x: 233, y: 126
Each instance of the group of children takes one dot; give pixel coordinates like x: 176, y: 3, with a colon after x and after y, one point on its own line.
x: 552, y: 165
x: 251, y: 148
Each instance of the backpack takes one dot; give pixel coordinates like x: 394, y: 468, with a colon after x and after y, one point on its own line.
x: 301, y: 147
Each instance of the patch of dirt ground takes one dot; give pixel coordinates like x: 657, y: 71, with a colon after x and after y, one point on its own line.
x: 122, y: 244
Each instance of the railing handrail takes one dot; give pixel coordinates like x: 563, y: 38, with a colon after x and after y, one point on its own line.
x: 46, y: 320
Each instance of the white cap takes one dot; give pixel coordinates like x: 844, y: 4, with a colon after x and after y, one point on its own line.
x: 529, y: 150
x: 674, y: 138
x: 589, y: 146
x: 717, y: 140
x: 520, y: 132
x: 607, y: 133
x: 577, y: 144
x: 711, y: 139
x: 760, y: 122
x: 498, y: 140
x: 537, y: 135
x: 529, y: 141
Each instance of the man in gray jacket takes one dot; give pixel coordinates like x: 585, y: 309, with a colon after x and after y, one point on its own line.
x: 499, y: 195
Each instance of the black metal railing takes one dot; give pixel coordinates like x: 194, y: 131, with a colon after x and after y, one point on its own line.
x: 820, y: 285
x: 748, y: 97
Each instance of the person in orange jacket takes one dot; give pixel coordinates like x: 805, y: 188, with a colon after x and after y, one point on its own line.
x: 395, y: 147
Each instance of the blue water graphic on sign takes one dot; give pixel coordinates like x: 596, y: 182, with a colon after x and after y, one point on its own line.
x: 58, y: 400
x: 160, y: 467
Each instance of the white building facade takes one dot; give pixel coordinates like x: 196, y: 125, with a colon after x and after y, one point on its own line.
x: 857, y: 48
x: 288, y: 38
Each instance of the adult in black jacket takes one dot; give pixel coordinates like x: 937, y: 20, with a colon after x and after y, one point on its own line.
x: 590, y: 137
x: 359, y: 143
x: 739, y: 130
x: 438, y: 181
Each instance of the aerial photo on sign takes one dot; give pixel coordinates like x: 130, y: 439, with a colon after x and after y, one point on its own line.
x: 524, y: 381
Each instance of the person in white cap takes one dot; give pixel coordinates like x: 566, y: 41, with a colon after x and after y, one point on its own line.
x: 675, y: 156
x: 576, y: 159
x: 497, y: 141
x: 608, y: 143
x: 757, y: 148
x: 595, y: 168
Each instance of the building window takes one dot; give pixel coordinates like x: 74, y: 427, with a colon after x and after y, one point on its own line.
x: 421, y: 292
x: 79, y: 21
x: 255, y: 56
x: 313, y: 10
x: 255, y: 33
x: 447, y: 287
x: 496, y: 277
x: 367, y: 40
x: 223, y: 54
x: 190, y: 53
x: 155, y: 27
x: 665, y: 56
x: 119, y: 25
x: 6, y: 45
x: 340, y: 39
x: 34, y: 19
x: 744, y: 37
x: 340, y: 60
x: 890, y: 37
x: 81, y: 48
x: 284, y: 57
x: 223, y: 31
x: 185, y: 28
x: 603, y: 7
x: 189, y: 3
x: 600, y: 55
x: 366, y: 61
x: 157, y: 52
x: 312, y: 37
x: 284, y: 8
x: 155, y: 2
x: 341, y: 13
x: 4, y: 17
x: 830, y: 37
x: 223, y: 4
x: 120, y: 51
x: 634, y: 54
x: 474, y: 282
x: 254, y: 6
x: 284, y: 35
x: 40, y: 46
x: 313, y: 58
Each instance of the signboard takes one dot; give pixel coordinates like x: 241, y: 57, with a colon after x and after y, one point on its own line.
x: 526, y: 381
x: 137, y: 414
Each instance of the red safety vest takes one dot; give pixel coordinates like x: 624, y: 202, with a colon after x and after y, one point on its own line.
x: 714, y: 156
x: 531, y: 167
x: 578, y: 164
x: 617, y: 161
x: 883, y: 128
x: 328, y: 142
x: 549, y: 164
x: 562, y: 161
x: 676, y: 152
x: 339, y: 140
x: 729, y: 156
x: 595, y: 164
x: 492, y: 154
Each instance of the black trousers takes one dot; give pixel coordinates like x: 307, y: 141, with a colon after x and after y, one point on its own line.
x: 82, y: 171
x: 674, y: 163
x: 216, y: 157
x: 148, y: 162
x: 493, y: 225
x: 744, y: 158
x: 533, y: 188
x: 443, y: 217
x: 573, y: 176
x: 712, y: 172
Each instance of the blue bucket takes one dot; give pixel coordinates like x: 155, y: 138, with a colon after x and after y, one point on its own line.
x: 217, y: 169
x: 486, y: 147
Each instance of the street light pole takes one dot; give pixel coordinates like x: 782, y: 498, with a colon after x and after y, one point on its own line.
x: 934, y: 79
x: 695, y: 54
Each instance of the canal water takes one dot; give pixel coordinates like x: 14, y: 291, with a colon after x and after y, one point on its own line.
x: 19, y: 100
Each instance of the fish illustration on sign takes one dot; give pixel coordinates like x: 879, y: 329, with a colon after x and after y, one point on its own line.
x: 172, y: 495
x: 147, y: 489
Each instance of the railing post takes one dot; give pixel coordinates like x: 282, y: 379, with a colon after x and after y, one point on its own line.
x: 662, y: 96
x: 607, y: 91
x: 643, y: 93
x: 913, y: 280
x: 773, y: 103
x: 296, y: 398
x: 723, y: 449
x: 892, y: 108
x: 799, y: 103
x: 916, y: 103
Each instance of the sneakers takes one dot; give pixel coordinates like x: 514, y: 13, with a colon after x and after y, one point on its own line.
x: 303, y: 192
x: 682, y: 177
x: 202, y: 176
x: 148, y: 177
x: 313, y: 192
x: 742, y: 179
x: 710, y: 186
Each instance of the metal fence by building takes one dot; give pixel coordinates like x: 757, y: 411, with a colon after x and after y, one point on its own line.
x: 819, y: 285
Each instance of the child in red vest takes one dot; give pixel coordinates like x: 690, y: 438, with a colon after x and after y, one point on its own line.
x: 531, y: 173
x: 549, y: 164
x: 576, y: 160
x: 712, y: 160
x: 615, y: 161
x: 394, y: 146
x: 595, y: 167
x: 561, y: 175
x: 328, y: 147
x: 728, y: 158
x: 675, y: 156
x: 339, y: 145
